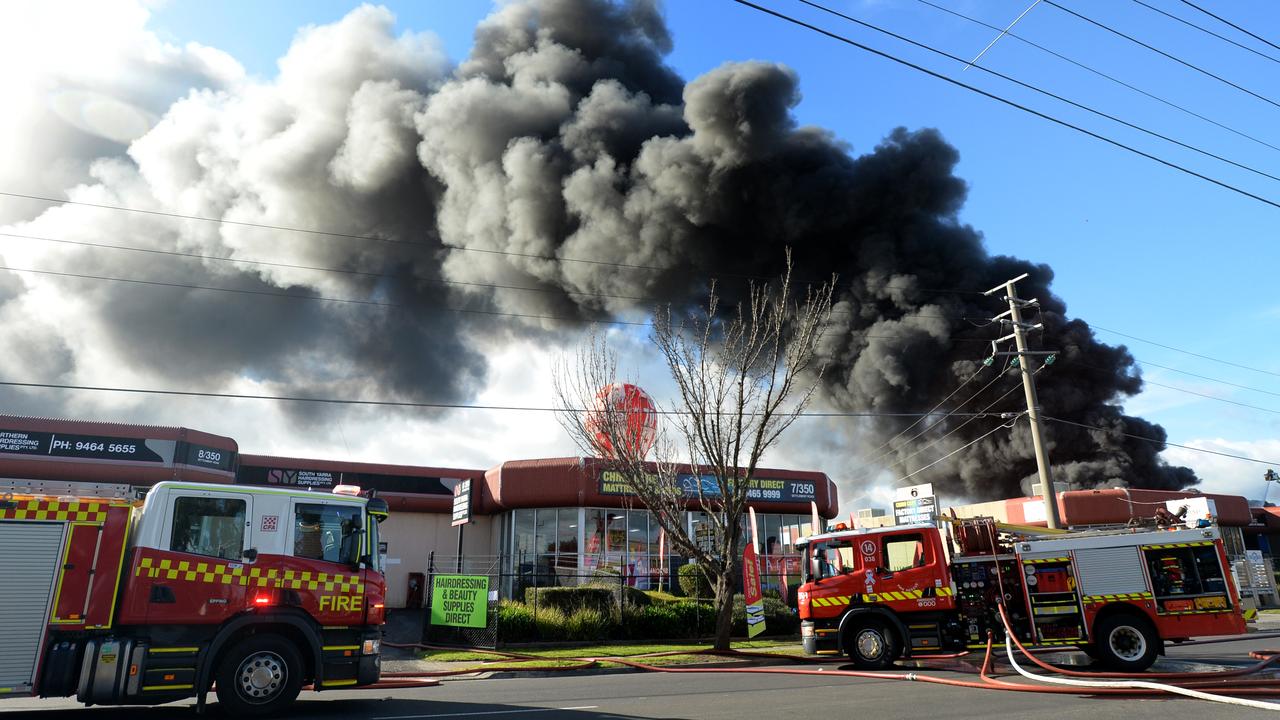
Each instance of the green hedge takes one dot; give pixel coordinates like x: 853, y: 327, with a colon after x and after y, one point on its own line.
x: 694, y: 582
x: 570, y: 599
x: 679, y: 620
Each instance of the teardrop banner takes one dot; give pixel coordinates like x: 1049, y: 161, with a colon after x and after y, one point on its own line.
x: 751, y: 594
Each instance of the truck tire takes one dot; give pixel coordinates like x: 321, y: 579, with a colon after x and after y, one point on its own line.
x: 871, y: 644
x: 258, y: 676
x: 1125, y: 642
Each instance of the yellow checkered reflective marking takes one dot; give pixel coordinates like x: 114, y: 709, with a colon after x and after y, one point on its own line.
x: 887, y: 596
x: 1040, y: 561
x: 895, y: 595
x: 1176, y: 545
x: 1250, y: 613
x: 1117, y: 596
x: 219, y: 573
x: 93, y: 511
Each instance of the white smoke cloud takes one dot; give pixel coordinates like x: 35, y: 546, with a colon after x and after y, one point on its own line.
x: 81, y: 81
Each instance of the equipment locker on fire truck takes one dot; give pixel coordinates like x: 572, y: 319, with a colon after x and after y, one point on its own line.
x: 262, y: 590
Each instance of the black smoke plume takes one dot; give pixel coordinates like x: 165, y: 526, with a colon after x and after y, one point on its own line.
x: 565, y: 136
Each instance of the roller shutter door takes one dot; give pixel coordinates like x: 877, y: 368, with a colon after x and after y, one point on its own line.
x: 1110, y: 571
x: 29, y: 555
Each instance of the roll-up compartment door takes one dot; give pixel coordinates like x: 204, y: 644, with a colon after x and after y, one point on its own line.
x: 29, y: 554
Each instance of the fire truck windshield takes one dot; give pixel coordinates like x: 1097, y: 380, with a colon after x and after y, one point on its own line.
x: 830, y: 558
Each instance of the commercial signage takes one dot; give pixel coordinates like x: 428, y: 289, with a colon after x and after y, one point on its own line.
x: 105, y: 447
x: 915, y: 504
x: 758, y: 490
x: 752, y: 596
x: 460, y: 600
x: 462, y: 503
x: 327, y: 479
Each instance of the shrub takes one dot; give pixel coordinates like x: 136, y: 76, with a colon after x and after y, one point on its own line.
x: 696, y: 618
x: 550, y: 624
x: 569, y: 599
x: 622, y: 594
x: 588, y: 624
x: 668, y: 621
x: 694, y: 581
x: 515, y: 622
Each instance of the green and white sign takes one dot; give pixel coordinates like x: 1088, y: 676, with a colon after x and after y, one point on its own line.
x: 460, y: 600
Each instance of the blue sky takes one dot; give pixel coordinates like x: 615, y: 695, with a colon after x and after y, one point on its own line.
x: 1136, y: 247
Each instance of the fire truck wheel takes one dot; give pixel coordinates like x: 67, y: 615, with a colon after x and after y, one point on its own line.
x: 871, y: 644
x: 1125, y: 642
x: 259, y: 675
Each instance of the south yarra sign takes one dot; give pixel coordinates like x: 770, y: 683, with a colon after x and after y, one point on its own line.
x: 460, y: 600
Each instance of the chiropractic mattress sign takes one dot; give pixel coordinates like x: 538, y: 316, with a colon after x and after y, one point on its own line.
x: 460, y: 600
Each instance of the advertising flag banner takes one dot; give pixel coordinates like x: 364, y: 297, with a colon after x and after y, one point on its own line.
x: 751, y: 593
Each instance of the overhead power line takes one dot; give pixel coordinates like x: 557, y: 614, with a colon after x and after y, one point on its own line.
x: 1104, y: 75
x: 1042, y: 91
x: 1206, y: 377
x: 1225, y: 21
x: 1206, y: 30
x: 376, y: 238
x: 382, y: 304
x: 385, y: 403
x: 1006, y: 426
x: 1185, y: 352
x: 1161, y: 442
x: 1006, y: 101
x: 1158, y: 51
x: 346, y: 271
x: 1186, y: 391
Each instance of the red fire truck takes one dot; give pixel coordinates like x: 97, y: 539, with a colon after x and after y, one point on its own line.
x: 254, y: 591
x: 880, y: 594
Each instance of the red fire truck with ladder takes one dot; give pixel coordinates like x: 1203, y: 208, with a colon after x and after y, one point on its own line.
x: 253, y: 591
x: 1118, y: 595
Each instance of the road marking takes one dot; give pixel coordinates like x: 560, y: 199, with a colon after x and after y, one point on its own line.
x: 487, y: 712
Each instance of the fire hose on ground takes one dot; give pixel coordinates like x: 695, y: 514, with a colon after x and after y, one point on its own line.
x: 1227, y: 688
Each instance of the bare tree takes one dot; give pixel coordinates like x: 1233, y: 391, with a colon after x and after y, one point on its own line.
x: 743, y: 375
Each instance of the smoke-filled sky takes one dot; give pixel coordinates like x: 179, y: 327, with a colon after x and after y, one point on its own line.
x: 443, y: 165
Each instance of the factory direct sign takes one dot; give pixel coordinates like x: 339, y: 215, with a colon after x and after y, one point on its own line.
x: 758, y: 490
x: 460, y: 600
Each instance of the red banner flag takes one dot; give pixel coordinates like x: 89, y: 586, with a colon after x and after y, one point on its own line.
x: 751, y: 593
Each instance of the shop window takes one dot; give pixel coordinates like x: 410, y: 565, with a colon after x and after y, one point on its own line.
x: 326, y: 532
x: 523, y: 536
x: 213, y: 527
x: 567, y: 537
x: 904, y: 552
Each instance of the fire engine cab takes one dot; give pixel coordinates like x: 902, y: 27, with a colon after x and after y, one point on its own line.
x: 256, y: 591
x: 880, y: 594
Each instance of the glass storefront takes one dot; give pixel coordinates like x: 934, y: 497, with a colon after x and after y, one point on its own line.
x: 550, y: 547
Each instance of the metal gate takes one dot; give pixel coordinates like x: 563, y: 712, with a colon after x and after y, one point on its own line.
x: 29, y: 555
x: 479, y: 637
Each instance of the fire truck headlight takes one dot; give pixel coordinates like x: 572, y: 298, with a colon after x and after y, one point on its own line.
x: 371, y: 647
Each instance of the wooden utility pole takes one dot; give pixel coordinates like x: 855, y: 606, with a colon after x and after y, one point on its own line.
x: 1029, y: 387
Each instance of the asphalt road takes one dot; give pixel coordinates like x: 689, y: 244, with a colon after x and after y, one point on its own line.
x: 708, y: 696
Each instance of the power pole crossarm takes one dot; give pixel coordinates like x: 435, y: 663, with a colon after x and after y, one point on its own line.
x: 1019, y: 336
